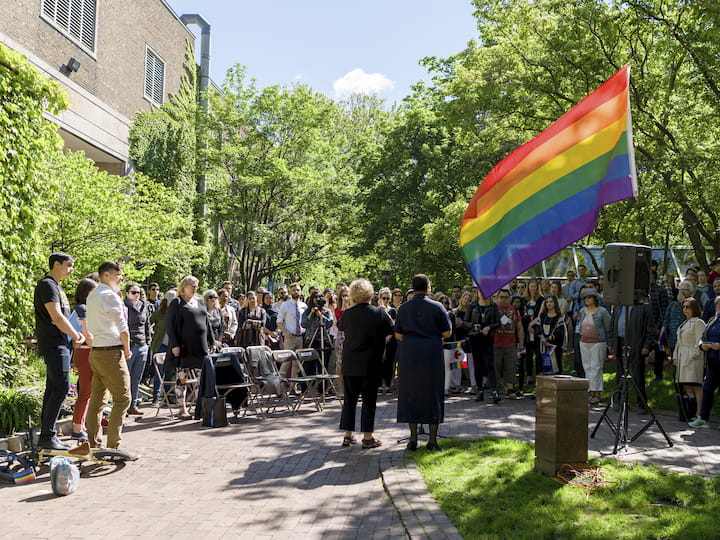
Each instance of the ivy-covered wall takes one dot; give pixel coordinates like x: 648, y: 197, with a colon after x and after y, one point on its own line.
x: 27, y: 142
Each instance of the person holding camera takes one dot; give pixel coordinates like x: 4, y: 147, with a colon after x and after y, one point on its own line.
x: 251, y: 320
x: 317, y: 320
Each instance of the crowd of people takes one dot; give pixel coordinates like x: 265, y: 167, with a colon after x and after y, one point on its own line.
x: 529, y: 328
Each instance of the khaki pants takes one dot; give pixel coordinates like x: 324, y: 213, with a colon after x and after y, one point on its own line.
x: 110, y: 372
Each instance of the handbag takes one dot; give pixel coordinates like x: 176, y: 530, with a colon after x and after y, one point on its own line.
x: 214, y: 413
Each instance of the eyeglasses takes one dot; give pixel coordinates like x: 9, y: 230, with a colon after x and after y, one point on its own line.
x: 385, y: 298
x: 133, y: 292
x: 212, y: 297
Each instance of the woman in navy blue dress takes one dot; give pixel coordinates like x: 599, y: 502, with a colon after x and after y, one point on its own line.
x: 420, y: 328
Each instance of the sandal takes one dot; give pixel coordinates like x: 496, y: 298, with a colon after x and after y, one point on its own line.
x: 347, y: 441
x: 371, y: 443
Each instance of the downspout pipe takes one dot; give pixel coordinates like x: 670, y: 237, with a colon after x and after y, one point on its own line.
x: 201, y: 182
x: 196, y: 18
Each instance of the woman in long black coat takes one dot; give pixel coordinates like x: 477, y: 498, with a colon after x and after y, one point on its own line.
x: 420, y: 328
x: 190, y: 337
x: 366, y: 330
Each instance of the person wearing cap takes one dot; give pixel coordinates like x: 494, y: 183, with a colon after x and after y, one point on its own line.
x: 594, y: 327
x: 159, y: 342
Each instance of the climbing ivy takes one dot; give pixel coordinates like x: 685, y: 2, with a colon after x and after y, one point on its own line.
x: 27, y: 142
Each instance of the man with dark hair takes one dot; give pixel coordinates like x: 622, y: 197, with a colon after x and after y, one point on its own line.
x: 455, y: 297
x: 508, y: 338
x: 577, y: 284
x: 420, y: 327
x: 638, y: 333
x: 154, y: 295
x: 228, y: 286
x: 107, y: 322
x: 290, y: 319
x: 54, y: 332
x: 138, y: 318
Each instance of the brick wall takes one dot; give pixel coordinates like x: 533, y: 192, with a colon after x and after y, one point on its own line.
x: 115, y: 72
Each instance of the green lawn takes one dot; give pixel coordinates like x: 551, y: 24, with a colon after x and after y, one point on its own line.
x: 661, y: 395
x: 489, y: 490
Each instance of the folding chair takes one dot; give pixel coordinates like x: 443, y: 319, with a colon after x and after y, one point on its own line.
x: 227, y: 382
x: 285, y: 359
x: 311, y: 380
x: 166, y: 387
x: 323, y: 376
x: 263, y: 369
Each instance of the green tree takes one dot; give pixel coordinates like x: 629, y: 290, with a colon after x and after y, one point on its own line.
x: 535, y: 59
x: 283, y: 179
x: 133, y: 219
x: 27, y: 141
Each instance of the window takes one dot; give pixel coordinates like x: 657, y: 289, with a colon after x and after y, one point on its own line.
x: 154, y: 76
x: 76, y: 18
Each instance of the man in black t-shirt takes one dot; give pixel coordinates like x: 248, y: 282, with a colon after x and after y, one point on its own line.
x: 54, y: 335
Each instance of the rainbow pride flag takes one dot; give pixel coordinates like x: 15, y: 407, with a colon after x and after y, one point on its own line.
x: 547, y: 193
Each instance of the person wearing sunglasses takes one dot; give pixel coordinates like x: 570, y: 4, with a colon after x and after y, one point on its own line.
x: 389, y: 360
x: 215, y: 316
x: 138, y: 312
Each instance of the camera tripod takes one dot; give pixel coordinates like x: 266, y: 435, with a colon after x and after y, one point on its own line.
x: 620, y: 396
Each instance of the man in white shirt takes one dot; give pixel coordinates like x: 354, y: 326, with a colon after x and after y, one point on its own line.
x: 290, y: 318
x: 107, y: 322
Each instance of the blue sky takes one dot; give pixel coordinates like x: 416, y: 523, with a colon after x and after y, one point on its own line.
x: 335, y: 47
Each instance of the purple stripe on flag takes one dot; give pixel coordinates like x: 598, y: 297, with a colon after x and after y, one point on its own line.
x: 497, y: 273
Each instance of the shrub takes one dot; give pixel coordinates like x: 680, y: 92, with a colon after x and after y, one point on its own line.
x: 16, y: 405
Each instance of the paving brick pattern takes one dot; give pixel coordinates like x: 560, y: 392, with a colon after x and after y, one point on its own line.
x: 288, y: 477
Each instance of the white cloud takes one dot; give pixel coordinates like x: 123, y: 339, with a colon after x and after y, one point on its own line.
x: 359, y: 82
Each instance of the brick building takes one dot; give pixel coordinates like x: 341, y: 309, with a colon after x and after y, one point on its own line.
x: 113, y: 57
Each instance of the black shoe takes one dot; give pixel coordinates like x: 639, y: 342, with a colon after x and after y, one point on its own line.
x: 496, y: 397
x: 52, y: 443
x: 480, y: 396
x: 433, y: 447
x: 411, y: 445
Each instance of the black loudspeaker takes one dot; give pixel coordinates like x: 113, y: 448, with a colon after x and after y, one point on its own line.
x: 627, y: 274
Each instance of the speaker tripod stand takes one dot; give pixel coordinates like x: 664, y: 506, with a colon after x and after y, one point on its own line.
x: 620, y: 396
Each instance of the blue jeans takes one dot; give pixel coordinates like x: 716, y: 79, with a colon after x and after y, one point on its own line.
x: 136, y: 366
x: 57, y: 386
x: 710, y: 384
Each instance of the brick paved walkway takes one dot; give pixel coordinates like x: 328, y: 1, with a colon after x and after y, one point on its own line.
x: 288, y: 477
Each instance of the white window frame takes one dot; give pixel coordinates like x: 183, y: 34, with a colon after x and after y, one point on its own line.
x: 82, y: 9
x: 150, y: 96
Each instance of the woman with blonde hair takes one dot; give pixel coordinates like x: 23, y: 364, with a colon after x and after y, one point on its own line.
x: 366, y: 328
x: 190, y: 337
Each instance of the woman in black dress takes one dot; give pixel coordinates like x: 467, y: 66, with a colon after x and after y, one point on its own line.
x: 251, y: 320
x: 189, y: 334
x: 420, y: 328
x: 366, y: 328
x: 272, y: 334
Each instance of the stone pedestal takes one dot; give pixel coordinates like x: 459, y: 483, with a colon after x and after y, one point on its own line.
x: 561, y: 423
